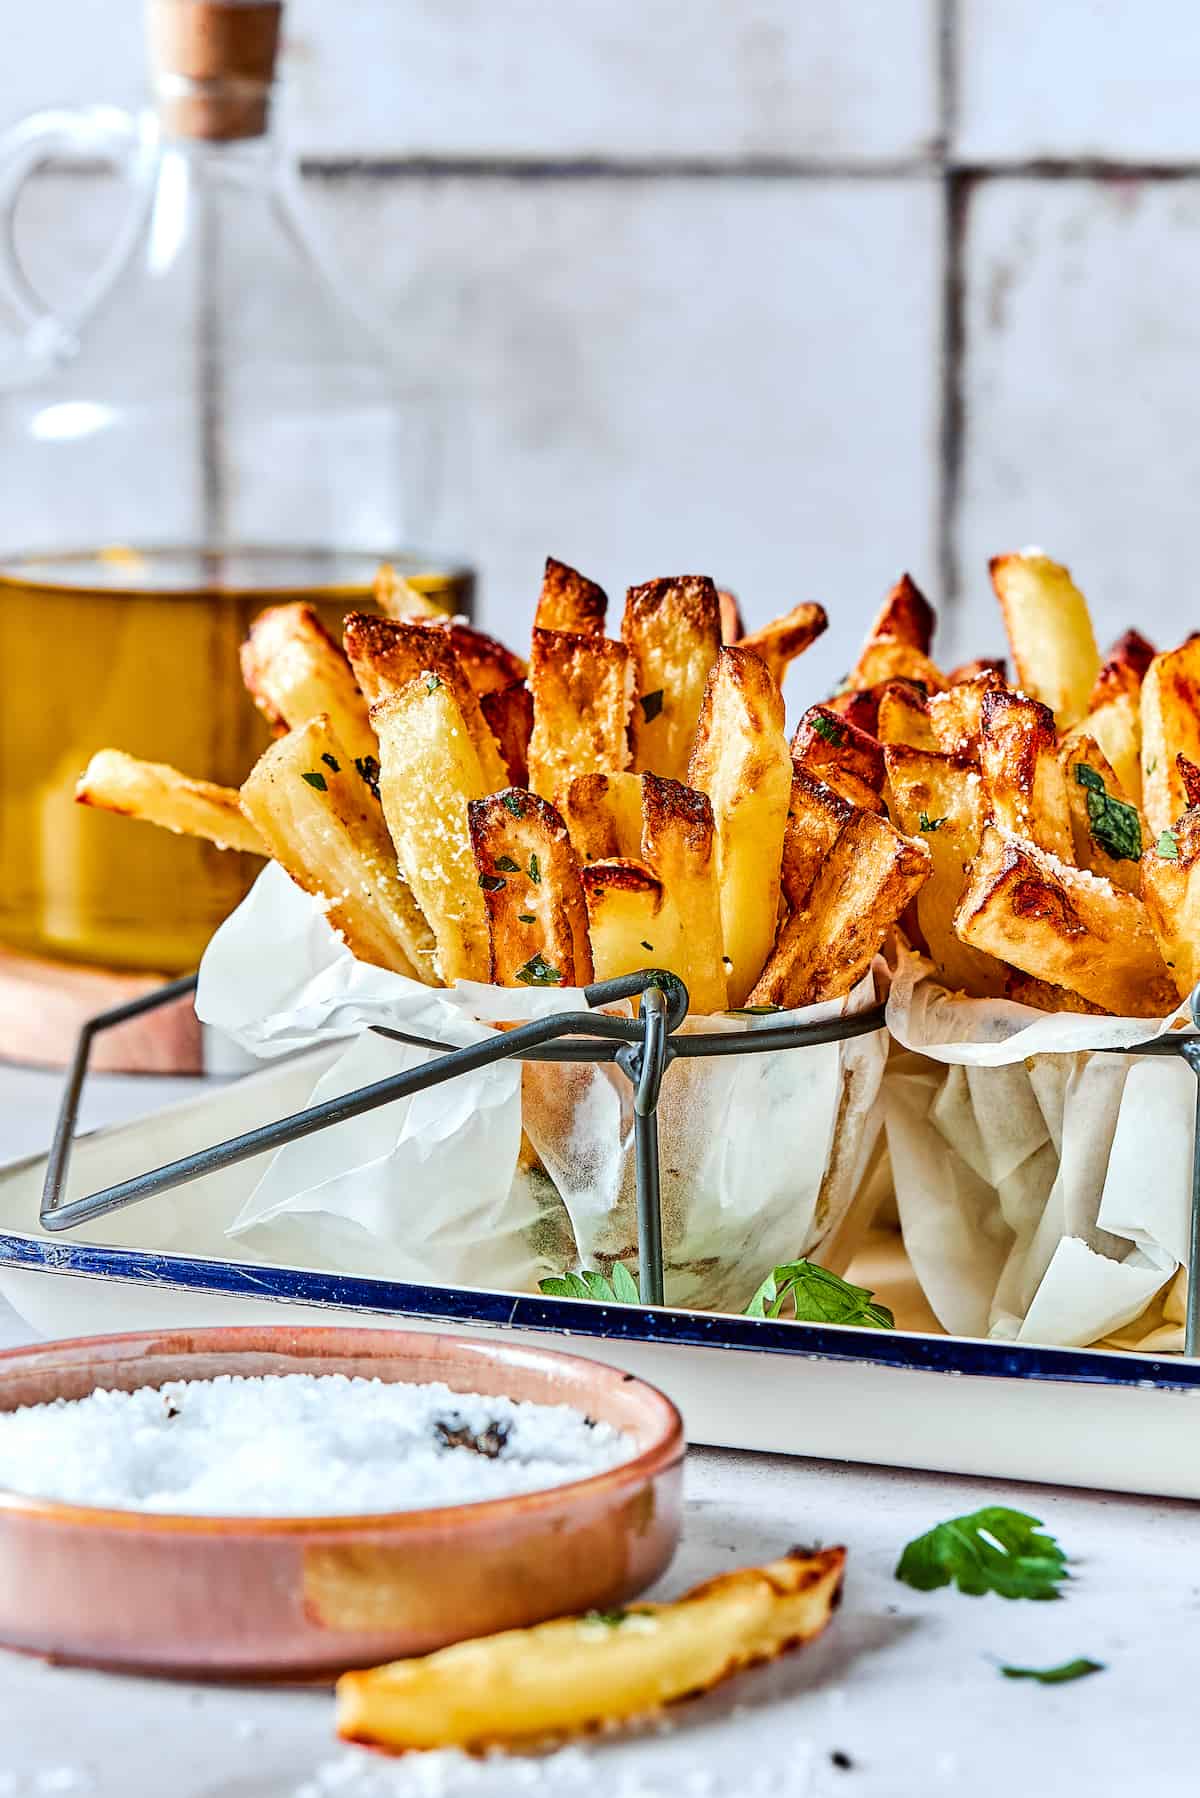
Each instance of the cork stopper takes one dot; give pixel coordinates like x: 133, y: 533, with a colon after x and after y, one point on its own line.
x: 212, y: 63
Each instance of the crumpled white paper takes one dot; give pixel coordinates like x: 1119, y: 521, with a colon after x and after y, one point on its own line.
x: 503, y: 1176
x: 1043, y: 1188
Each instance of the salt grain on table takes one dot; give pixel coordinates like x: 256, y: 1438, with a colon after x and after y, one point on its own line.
x: 296, y: 1445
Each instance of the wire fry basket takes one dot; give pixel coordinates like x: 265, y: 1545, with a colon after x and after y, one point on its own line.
x: 643, y: 1048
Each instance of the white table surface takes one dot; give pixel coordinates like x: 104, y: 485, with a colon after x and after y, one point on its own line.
x: 905, y: 1684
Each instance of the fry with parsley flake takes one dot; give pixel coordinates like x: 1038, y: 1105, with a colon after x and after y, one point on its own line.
x: 864, y: 884
x: 429, y: 771
x: 1049, y: 631
x: 939, y: 799
x: 740, y: 760
x: 1063, y: 925
x: 570, y: 602
x: 835, y: 751
x: 294, y: 671
x: 318, y: 820
x: 604, y: 816
x: 779, y: 643
x: 1022, y: 775
x: 529, y: 877
x: 1170, y: 713
x: 631, y: 923
x: 386, y: 655
x: 1170, y: 872
x: 582, y: 691
x: 580, y: 1673
x: 678, y: 844
x: 487, y: 663
x: 673, y: 632
x: 116, y: 782
x: 1106, y: 826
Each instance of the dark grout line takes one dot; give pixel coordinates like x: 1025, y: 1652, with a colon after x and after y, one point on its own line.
x: 952, y: 402
x: 501, y: 168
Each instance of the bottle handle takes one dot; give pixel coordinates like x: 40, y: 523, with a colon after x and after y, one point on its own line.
x: 92, y: 134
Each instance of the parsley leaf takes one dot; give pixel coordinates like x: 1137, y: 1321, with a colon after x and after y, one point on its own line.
x: 817, y: 1297
x: 507, y: 864
x: 749, y: 1011
x: 1115, y: 825
x: 526, y: 917
x: 991, y: 1550
x: 646, y: 945
x: 317, y: 780
x: 619, y: 1289
x: 1055, y: 1676
x: 491, y: 883
x: 1167, y: 844
x: 514, y: 803
x: 826, y: 728
x: 433, y: 683
x: 538, y: 972
x: 367, y: 767
x: 535, y: 872
x: 652, y: 705
x: 925, y: 822
x: 332, y: 762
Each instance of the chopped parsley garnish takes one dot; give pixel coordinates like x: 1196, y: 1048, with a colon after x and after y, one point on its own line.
x: 1152, y: 764
x: 991, y: 1550
x: 752, y: 1011
x: 817, y: 1297
x: 367, y: 766
x: 826, y: 728
x: 507, y: 864
x: 514, y: 803
x: 331, y: 762
x: 526, y: 917
x: 1168, y: 846
x: 613, y: 1619
x: 646, y: 945
x: 1115, y: 825
x: 491, y: 883
x: 538, y: 972
x: 927, y: 823
x: 433, y: 683
x: 652, y: 705
x: 619, y: 1289
x: 316, y: 779
x: 1056, y: 1676
x: 535, y: 871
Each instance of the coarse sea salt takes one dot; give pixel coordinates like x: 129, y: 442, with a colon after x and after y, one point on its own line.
x: 297, y: 1445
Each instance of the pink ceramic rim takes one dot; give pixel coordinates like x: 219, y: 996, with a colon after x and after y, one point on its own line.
x: 664, y: 1452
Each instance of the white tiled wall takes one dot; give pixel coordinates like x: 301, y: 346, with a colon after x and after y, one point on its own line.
x: 704, y: 284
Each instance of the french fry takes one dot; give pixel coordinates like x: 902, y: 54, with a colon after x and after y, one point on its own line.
x: 906, y: 616
x: 570, y: 602
x: 1189, y: 774
x: 1023, y: 989
x: 740, y: 760
x: 1022, y: 775
x: 386, y: 655
x: 116, y: 782
x: 1132, y: 651
x: 429, y: 771
x: 578, y: 1673
x: 816, y: 819
x: 869, y: 877
x: 888, y: 659
x: 1049, y: 631
x: 604, y: 816
x: 673, y: 631
x: 1170, y: 710
x: 1106, y: 827
x: 582, y: 691
x: 678, y: 844
x: 1171, y: 894
x: 981, y: 665
x: 780, y: 642
x: 294, y: 671
x: 732, y: 628
x: 509, y: 714
x: 398, y: 598
x: 903, y: 716
x: 939, y: 799
x: 1063, y: 925
x: 537, y: 921
x: 955, y: 716
x: 317, y: 818
x: 630, y: 922
x: 487, y: 663
x: 835, y: 751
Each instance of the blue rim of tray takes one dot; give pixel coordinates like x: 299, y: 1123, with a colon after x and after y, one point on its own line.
x: 479, y: 1307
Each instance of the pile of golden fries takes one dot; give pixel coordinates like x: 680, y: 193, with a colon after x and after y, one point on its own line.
x: 625, y: 802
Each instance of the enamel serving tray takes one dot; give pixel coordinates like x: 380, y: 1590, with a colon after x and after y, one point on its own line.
x: 905, y: 1398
